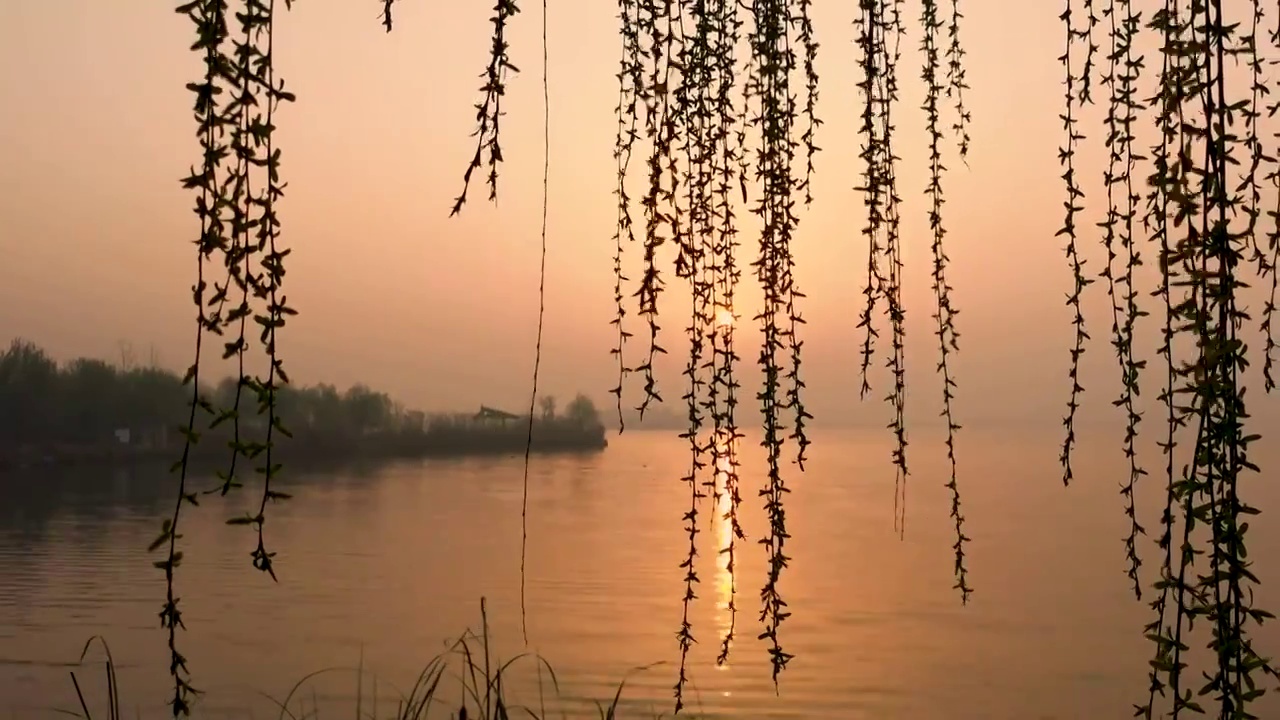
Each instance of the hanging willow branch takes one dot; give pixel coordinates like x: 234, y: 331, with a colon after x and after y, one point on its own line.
x: 679, y: 72
x: 948, y: 337
x: 880, y: 28
x: 725, y: 156
x: 677, y: 78
x: 1120, y: 77
x: 386, y: 14
x: 237, y: 186
x: 1201, y: 214
x: 1066, y: 156
x: 489, y: 109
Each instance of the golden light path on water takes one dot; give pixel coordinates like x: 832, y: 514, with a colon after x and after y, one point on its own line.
x: 725, y: 582
x: 725, y: 463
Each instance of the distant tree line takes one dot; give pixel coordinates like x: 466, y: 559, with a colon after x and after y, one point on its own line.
x: 86, y: 403
x: 85, y: 400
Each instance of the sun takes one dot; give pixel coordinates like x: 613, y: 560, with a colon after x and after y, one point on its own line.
x: 724, y: 317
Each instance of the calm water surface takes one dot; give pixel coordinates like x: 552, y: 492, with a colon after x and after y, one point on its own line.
x: 384, y: 566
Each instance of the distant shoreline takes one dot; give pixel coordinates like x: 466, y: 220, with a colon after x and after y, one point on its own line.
x: 90, y: 412
x: 211, y: 455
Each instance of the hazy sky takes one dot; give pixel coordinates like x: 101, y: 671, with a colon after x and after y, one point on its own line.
x: 95, y: 231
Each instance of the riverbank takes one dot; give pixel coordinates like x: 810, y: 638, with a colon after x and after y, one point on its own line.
x: 90, y: 412
x: 441, y: 442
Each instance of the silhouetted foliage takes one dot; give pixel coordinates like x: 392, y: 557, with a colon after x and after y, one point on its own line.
x: 1203, y: 203
x: 45, y: 406
x: 678, y: 82
x: 90, y: 410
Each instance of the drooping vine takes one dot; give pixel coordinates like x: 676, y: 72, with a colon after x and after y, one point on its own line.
x: 948, y: 337
x: 872, y: 188
x: 1272, y: 267
x: 1073, y: 99
x: 879, y: 28
x: 254, y: 231
x: 726, y: 155
x: 235, y: 102
x: 542, y: 309
x: 891, y: 31
x: 269, y: 283
x: 1120, y: 78
x: 676, y: 81
x: 1168, y: 182
x: 801, y: 19
x: 489, y: 109
x: 690, y: 52
x: 804, y: 24
x: 631, y: 91
x: 678, y: 75
x: 655, y: 29
x: 1199, y: 189
x: 773, y: 106
x: 956, y: 84
x: 210, y: 20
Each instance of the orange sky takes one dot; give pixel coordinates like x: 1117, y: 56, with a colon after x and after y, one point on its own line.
x: 95, y: 232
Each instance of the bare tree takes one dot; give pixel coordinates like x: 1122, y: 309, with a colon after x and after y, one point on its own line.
x: 548, y: 405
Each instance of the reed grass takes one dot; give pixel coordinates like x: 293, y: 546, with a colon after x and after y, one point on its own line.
x: 468, y: 681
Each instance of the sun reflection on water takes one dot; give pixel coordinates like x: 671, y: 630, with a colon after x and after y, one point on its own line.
x: 725, y: 481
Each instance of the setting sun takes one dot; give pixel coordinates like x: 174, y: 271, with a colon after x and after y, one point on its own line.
x: 724, y: 317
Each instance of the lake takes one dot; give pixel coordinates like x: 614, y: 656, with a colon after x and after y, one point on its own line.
x: 380, y: 567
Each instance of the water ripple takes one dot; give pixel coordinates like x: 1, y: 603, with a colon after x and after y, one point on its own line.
x: 389, y: 567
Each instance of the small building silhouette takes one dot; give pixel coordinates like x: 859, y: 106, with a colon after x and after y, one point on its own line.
x: 493, y: 416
